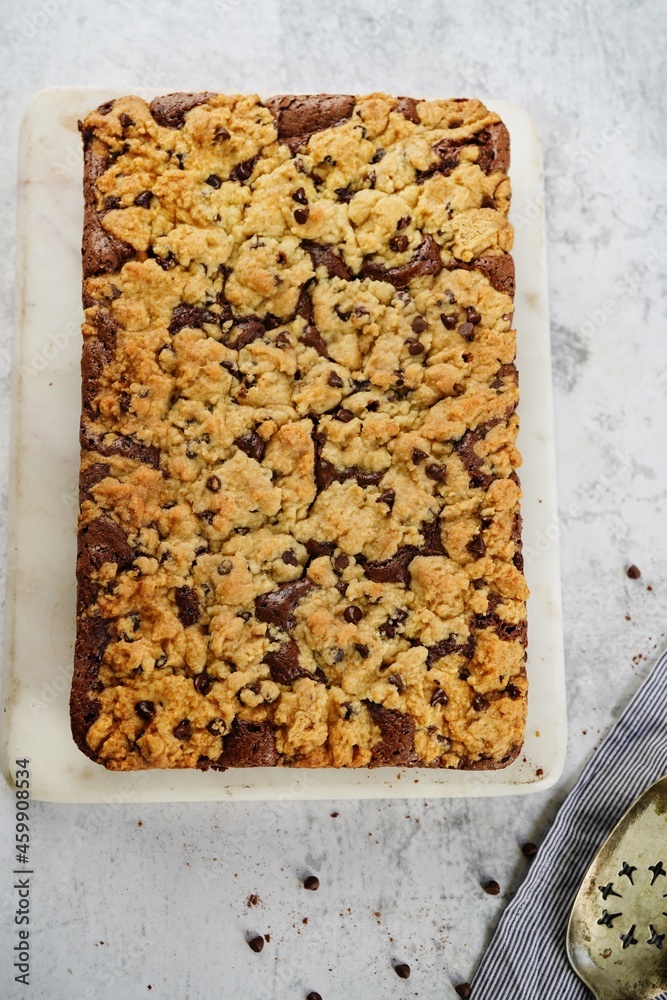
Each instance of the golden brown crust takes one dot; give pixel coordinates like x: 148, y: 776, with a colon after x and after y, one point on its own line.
x: 300, y: 538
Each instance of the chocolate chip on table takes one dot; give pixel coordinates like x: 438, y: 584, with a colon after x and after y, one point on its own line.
x: 491, y: 887
x: 289, y: 558
x: 436, y: 472
x: 145, y: 710
x: 225, y: 567
x: 388, y: 497
x: 449, y: 320
x: 464, y: 990
x: 256, y: 943
x: 311, y: 882
x: 353, y: 614
x: 202, y: 683
x: 301, y: 215
x: 467, y: 331
x: 183, y: 731
x: 419, y: 324
x: 213, y: 484
x: 402, y: 970
x: 418, y: 456
x: 313, y: 996
x: 300, y: 196
x: 529, y: 850
x: 634, y: 572
x: 335, y: 381
x: 399, y: 244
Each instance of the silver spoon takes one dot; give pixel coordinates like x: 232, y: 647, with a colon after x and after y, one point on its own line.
x: 617, y: 931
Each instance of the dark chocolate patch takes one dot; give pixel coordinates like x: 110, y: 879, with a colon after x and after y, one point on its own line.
x: 98, y: 352
x: 498, y: 270
x: 102, y: 253
x: 187, y: 602
x: 425, y: 260
x: 300, y: 116
x: 99, y: 542
x: 243, y: 170
x: 122, y: 447
x: 90, y: 477
x: 283, y: 664
x: 407, y: 106
x: 249, y: 744
x: 170, y: 110
x: 244, y: 332
x: 394, y: 570
x: 276, y: 607
x: 193, y: 316
x: 322, y: 255
x: 396, y: 747
x: 313, y: 338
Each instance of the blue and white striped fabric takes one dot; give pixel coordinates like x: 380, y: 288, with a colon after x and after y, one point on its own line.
x: 526, y: 959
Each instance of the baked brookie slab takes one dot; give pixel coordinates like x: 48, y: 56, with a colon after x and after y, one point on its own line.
x: 300, y: 538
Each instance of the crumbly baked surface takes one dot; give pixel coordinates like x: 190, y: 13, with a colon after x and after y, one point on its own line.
x: 300, y: 538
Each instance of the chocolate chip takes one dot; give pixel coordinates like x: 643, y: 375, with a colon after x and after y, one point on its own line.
x: 476, y: 546
x: 414, y: 347
x: 397, y: 681
x: 301, y: 215
x: 187, y: 603
x: 473, y: 316
x: 467, y: 331
x: 183, y: 731
x: 449, y: 320
x: 252, y: 444
x: 335, y: 380
x: 161, y: 661
x: 243, y: 170
x: 289, y: 558
x: 145, y: 710
x: 419, y: 324
x: 403, y: 222
x: 337, y: 654
x: 276, y: 607
x: 361, y: 650
x: 399, y: 244
x: 634, y: 572
x: 202, y: 683
x: 436, y: 472
x: 313, y: 995
x: 256, y: 943
x: 464, y: 990
x: 513, y: 691
x: 317, y: 549
x: 221, y: 134
x: 213, y: 484
x: 402, y: 971
x: 387, y: 497
x: 143, y: 200
x: 418, y: 456
x: 214, y: 181
x: 341, y: 562
x: 387, y: 629
x: 225, y: 567
x: 491, y: 887
x: 283, y: 663
x: 311, y: 882
x: 353, y: 614
x: 488, y: 201
x: 344, y: 416
x: 300, y: 196
x: 479, y: 703
x: 313, y: 338
x: 125, y: 119
x: 439, y: 697
x: 529, y: 850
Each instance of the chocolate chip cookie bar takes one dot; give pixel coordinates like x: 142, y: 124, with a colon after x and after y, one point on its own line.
x: 299, y: 533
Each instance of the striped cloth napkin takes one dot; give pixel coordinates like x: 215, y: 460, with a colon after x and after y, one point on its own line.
x: 526, y: 959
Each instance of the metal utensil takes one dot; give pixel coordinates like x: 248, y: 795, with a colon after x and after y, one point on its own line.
x: 617, y: 931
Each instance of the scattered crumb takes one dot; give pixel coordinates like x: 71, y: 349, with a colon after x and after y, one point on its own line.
x: 539, y: 772
x: 334, y: 815
x: 267, y: 938
x: 305, y: 920
x: 252, y: 900
x: 628, y: 618
x: 139, y: 823
x: 633, y: 572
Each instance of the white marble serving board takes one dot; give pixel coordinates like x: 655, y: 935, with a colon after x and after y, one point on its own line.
x: 43, y: 503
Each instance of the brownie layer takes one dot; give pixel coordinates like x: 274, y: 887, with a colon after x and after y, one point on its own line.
x: 300, y: 537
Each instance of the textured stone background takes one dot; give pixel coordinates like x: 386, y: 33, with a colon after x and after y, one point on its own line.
x: 131, y: 896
